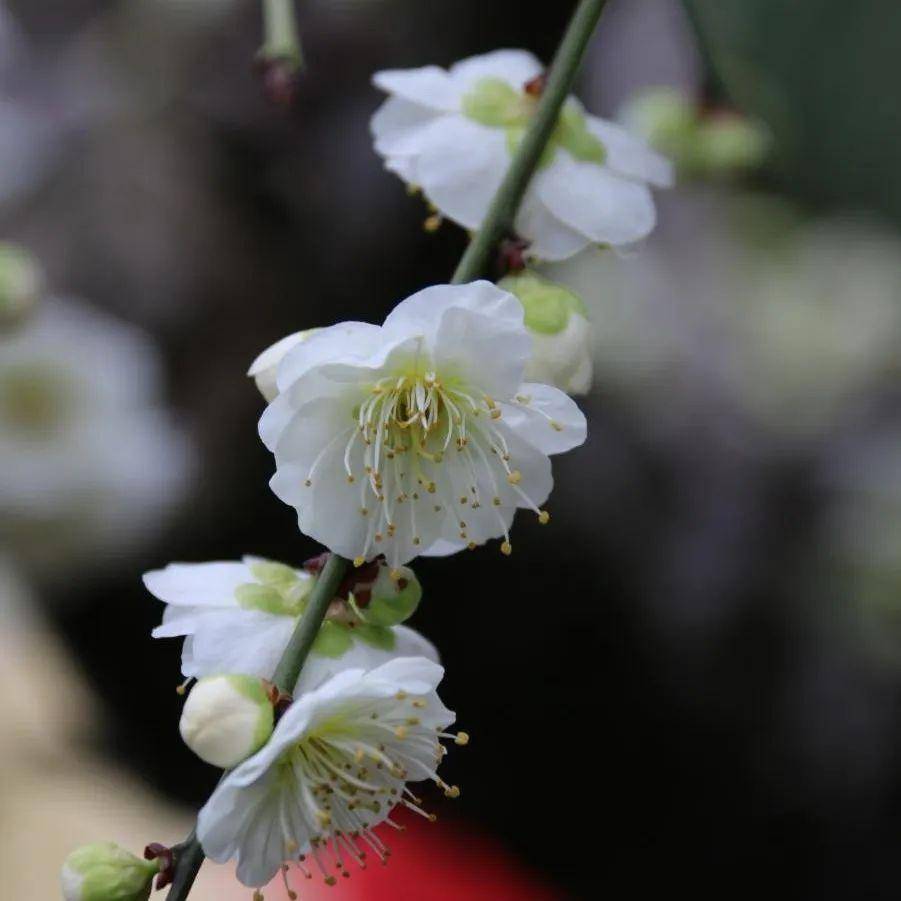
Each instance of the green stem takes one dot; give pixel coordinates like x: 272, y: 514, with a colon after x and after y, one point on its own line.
x: 498, y: 222
x: 281, y: 42
x: 502, y: 212
x: 190, y: 855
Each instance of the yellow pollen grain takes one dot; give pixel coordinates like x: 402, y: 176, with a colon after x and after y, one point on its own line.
x: 359, y: 561
x: 452, y: 791
x: 462, y: 738
x: 544, y: 517
x: 515, y: 477
x: 506, y: 548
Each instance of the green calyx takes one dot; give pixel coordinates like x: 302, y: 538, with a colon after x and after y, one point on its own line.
x: 493, y: 102
x: 547, y: 306
x: 278, y: 589
x: 336, y: 637
x: 393, y: 600
x: 110, y: 873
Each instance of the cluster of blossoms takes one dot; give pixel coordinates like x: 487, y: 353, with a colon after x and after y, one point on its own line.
x: 420, y: 436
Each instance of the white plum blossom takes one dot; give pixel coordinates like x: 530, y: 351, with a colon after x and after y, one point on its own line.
x: 418, y: 436
x: 227, y: 718
x: 89, y: 457
x: 237, y: 617
x: 451, y: 133
x: 336, y: 766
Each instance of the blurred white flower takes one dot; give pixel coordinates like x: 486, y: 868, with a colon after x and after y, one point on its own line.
x: 88, y: 458
x: 238, y: 617
x: 335, y: 767
x: 451, y: 133
x: 21, y: 283
x: 561, y: 333
x: 419, y: 436
x: 742, y: 302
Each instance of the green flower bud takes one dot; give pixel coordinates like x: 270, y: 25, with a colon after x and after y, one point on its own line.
x: 20, y: 284
x: 395, y: 596
x: 227, y: 718
x: 728, y: 144
x: 105, y: 872
x: 666, y: 118
x: 561, y: 333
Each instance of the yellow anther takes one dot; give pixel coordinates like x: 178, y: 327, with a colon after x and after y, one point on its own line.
x: 324, y: 818
x: 395, y: 575
x: 432, y: 223
x: 400, y: 696
x: 258, y: 896
x: 506, y: 548
x: 544, y: 517
x: 364, y: 511
x: 359, y: 561
x: 496, y: 501
x: 462, y: 738
x: 495, y: 414
x: 471, y: 546
x: 307, y: 483
x: 331, y: 880
x: 419, y: 703
x: 401, y: 732
x: 350, y: 480
x: 515, y: 477
x: 556, y: 425
x: 413, y: 721
x: 291, y: 847
x: 452, y: 791
x: 417, y: 540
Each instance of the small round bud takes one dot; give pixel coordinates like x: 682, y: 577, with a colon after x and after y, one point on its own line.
x: 395, y: 596
x: 20, y: 284
x: 665, y: 117
x: 105, y: 872
x: 227, y: 718
x: 561, y: 334
x: 728, y: 143
x: 264, y: 368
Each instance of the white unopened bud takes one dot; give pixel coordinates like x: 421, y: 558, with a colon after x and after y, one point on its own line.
x: 561, y: 333
x: 20, y: 284
x: 264, y: 368
x: 226, y: 719
x: 105, y: 872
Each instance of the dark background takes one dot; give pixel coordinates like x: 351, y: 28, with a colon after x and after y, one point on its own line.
x: 623, y: 734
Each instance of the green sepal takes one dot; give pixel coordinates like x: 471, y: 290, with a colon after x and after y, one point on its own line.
x: 253, y: 596
x: 492, y: 101
x: 515, y: 134
x: 547, y: 306
x: 391, y: 605
x: 380, y: 637
x: 277, y: 575
x: 334, y: 640
x: 573, y: 135
x: 251, y: 687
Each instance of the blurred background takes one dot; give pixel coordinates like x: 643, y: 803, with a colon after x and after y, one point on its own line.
x: 692, y: 680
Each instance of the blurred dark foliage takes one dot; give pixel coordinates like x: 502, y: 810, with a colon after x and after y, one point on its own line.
x: 603, y: 750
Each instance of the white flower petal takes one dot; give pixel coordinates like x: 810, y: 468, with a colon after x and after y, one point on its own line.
x: 629, y: 155
x: 429, y: 86
x: 514, y: 66
x: 532, y: 420
x: 549, y: 238
x: 460, y: 166
x: 590, y: 198
x: 198, y: 584
x: 399, y: 126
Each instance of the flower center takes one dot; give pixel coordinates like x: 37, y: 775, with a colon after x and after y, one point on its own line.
x: 494, y: 102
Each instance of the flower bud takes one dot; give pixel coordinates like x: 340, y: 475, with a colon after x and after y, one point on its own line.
x: 264, y: 368
x: 394, y: 598
x: 226, y: 719
x: 20, y: 284
x: 105, y: 872
x: 561, y: 333
x: 729, y: 143
x: 666, y: 118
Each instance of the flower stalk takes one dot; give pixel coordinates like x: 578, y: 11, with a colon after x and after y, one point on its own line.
x: 281, y: 42
x: 279, y: 18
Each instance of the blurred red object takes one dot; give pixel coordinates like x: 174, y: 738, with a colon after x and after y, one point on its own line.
x: 443, y: 861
